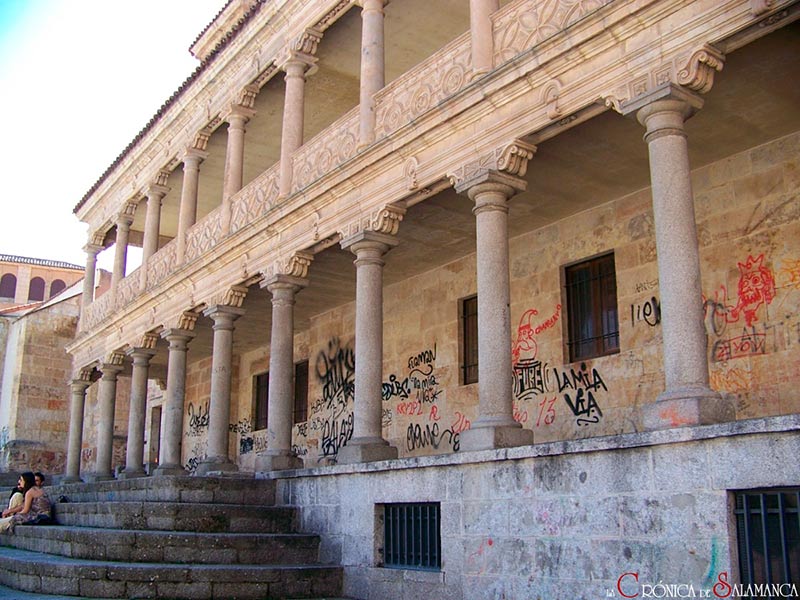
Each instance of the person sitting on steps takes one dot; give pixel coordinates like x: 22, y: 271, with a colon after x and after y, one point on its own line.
x: 35, y: 507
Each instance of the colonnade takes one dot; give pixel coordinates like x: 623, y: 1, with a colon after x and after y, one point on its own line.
x: 662, y: 112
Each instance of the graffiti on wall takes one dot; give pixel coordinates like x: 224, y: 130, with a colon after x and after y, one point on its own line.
x: 648, y: 312
x: 197, y: 454
x: 243, y: 429
x: 524, y: 345
x: 579, y: 389
x: 332, y: 414
x: 198, y: 419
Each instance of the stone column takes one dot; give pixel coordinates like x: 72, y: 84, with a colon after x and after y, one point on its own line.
x: 217, y: 458
x: 75, y: 443
x: 152, y: 222
x: 495, y: 426
x: 106, y: 400
x: 372, y: 66
x: 169, y: 461
x: 234, y: 160
x: 278, y: 455
x: 367, y: 443
x: 188, y: 210
x: 124, y: 222
x: 295, y: 65
x: 480, y: 21
x: 134, y: 457
x: 92, y: 250
x: 687, y: 399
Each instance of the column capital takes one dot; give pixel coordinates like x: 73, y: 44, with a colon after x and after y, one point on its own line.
x: 223, y: 315
x: 178, y: 338
x: 279, y: 281
x: 193, y: 156
x: 125, y: 219
x: 369, y: 240
x: 237, y: 115
x: 371, y: 4
x: 507, y: 163
x: 141, y: 356
x: 93, y: 249
x: 156, y: 190
x: 79, y: 385
x: 110, y: 370
x: 667, y: 97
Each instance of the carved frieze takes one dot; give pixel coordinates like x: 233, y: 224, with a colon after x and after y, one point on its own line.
x: 254, y: 200
x: 204, y: 235
x: 326, y: 151
x: 333, y: 15
x: 161, y: 264
x: 384, y: 220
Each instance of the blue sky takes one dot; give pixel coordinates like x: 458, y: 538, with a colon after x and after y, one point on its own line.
x: 78, y: 80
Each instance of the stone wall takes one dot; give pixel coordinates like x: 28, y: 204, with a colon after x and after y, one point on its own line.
x: 560, y: 520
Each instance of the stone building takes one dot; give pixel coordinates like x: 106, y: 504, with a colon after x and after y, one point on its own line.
x: 529, y: 268
x: 26, y: 280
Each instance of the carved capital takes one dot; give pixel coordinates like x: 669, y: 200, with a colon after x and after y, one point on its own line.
x: 128, y: 210
x: 200, y: 141
x: 247, y: 96
x: 238, y: 112
x: 698, y: 74
x: 234, y: 296
x: 511, y: 159
x: 84, y: 376
x: 301, y: 51
x: 187, y: 320
x: 156, y: 191
x: 297, y: 265
x: 162, y: 178
x: 149, y: 340
x: 96, y: 239
x: 384, y: 220
x: 307, y: 42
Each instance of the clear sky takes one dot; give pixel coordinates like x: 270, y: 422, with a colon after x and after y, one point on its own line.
x: 78, y: 80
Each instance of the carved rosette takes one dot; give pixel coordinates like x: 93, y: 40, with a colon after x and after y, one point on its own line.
x: 698, y: 74
x: 511, y: 159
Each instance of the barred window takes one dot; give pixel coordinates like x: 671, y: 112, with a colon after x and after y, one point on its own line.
x: 768, y: 535
x: 412, y: 536
x: 591, y: 298
x: 261, y: 399
x: 300, y: 392
x: 469, y: 340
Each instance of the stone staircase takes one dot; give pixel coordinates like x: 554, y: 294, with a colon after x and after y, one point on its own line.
x: 169, y: 538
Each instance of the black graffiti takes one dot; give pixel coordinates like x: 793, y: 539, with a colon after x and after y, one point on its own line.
x: 198, y: 420
x: 302, y: 428
x: 246, y: 445
x: 649, y: 312
x: 530, y: 378
x: 299, y: 450
x: 242, y: 427
x: 426, y: 357
x: 192, y: 463
x: 418, y: 436
x: 336, y: 434
x: 336, y: 372
x: 581, y: 399
x: 395, y: 388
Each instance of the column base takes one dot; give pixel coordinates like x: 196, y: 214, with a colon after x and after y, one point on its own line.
x: 277, y: 460
x: 100, y: 477
x: 131, y: 474
x: 361, y: 450
x: 169, y: 470
x: 684, y: 407
x: 215, y: 465
x: 488, y: 435
x: 71, y: 479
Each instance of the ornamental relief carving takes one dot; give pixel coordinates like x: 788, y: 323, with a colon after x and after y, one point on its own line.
x: 423, y: 88
x: 255, y: 200
x: 295, y: 266
x: 325, y: 151
x: 698, y: 74
x: 204, y: 235
x: 531, y: 22
x: 127, y: 289
x: 162, y: 264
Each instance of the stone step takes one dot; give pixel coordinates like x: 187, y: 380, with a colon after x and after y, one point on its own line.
x: 177, y: 516
x: 172, y: 546
x: 43, y: 573
x: 205, y: 490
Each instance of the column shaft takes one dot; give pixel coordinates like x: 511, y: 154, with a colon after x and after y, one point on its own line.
x: 152, y: 223
x: 188, y: 210
x: 75, y: 443
x: 495, y: 426
x: 480, y: 12
x: 372, y: 66
x: 293, y: 118
x: 169, y: 461
x: 234, y: 161
x: 88, y: 276
x: 687, y: 399
x: 120, y: 250
x: 281, y: 375
x: 134, y: 457
x: 367, y: 443
x: 217, y: 458
x: 107, y: 397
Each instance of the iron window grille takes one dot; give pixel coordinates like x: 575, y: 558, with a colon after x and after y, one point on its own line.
x: 768, y: 535
x: 412, y: 536
x: 300, y: 412
x: 469, y: 340
x: 261, y: 399
x: 591, y: 293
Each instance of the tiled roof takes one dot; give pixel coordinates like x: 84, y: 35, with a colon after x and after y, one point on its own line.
x: 41, y: 262
x: 177, y: 94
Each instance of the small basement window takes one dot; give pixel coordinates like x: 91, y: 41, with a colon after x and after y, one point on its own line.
x: 412, y: 536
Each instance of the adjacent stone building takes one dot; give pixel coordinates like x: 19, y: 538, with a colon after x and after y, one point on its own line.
x: 520, y: 277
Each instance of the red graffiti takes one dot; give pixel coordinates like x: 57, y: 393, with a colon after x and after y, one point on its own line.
x: 409, y: 408
x: 756, y: 287
x: 462, y: 423
x: 520, y: 416
x: 547, y: 408
x: 434, y: 416
x: 526, y: 330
